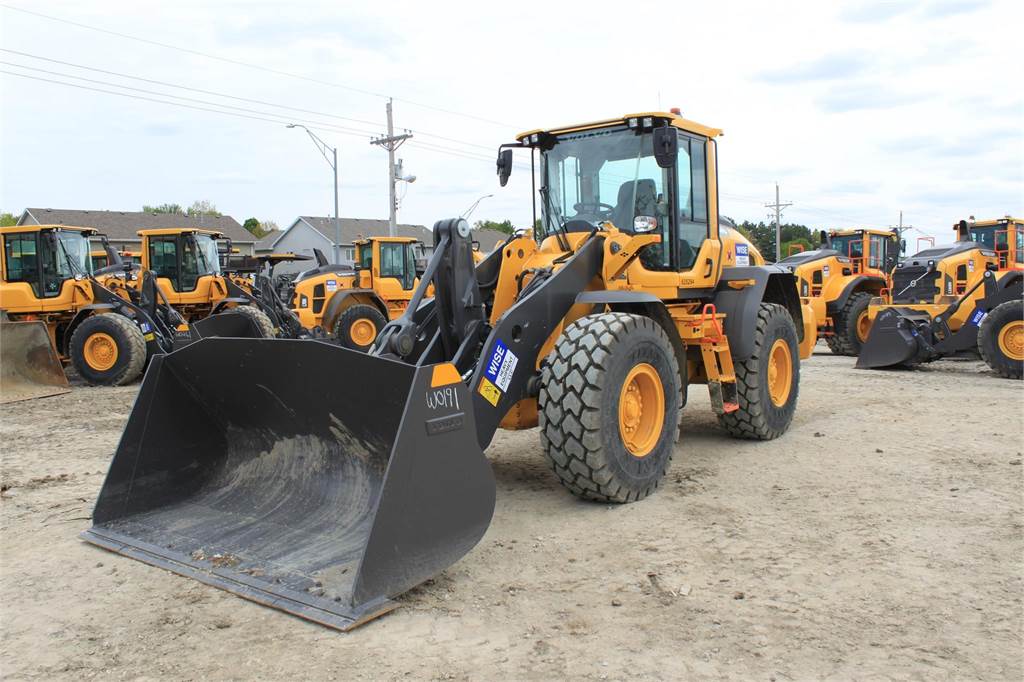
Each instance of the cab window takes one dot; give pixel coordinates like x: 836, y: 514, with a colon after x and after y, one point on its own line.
x: 692, y: 199
x: 163, y: 259
x: 876, y: 248
x: 1019, y: 240
x: 22, y: 259
x: 366, y: 256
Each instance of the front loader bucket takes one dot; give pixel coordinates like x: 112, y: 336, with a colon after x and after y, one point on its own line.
x: 227, y: 324
x: 298, y: 474
x: 29, y: 366
x: 894, y: 339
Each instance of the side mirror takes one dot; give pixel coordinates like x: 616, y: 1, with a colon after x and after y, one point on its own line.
x: 963, y: 234
x: 903, y: 246
x: 824, y: 240
x: 504, y: 166
x: 644, y: 223
x: 666, y: 146
x: 476, y: 245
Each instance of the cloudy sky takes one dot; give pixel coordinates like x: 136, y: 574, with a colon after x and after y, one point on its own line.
x: 858, y: 110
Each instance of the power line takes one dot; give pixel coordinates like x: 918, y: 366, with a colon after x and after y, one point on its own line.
x: 257, y: 67
x: 224, y: 95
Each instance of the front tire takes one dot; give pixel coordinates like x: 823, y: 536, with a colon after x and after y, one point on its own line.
x: 108, y: 350
x: 609, y: 401
x: 768, y: 382
x: 358, y: 326
x: 259, y: 318
x: 851, y: 326
x: 1001, y: 339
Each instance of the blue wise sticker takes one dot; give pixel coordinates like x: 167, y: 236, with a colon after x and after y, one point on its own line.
x: 976, y: 317
x: 501, y: 365
x: 742, y: 255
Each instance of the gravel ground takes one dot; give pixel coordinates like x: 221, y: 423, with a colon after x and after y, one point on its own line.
x: 881, y: 537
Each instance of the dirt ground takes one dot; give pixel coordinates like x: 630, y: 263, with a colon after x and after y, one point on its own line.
x: 881, y: 537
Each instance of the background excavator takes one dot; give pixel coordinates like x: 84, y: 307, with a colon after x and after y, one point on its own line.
x: 947, y: 300
x: 324, y: 482
x: 840, y: 279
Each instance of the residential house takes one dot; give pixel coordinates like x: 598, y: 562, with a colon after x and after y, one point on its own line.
x: 121, y: 227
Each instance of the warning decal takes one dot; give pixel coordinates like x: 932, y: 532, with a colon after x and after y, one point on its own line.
x: 489, y: 391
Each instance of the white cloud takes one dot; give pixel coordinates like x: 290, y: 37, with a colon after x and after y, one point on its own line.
x: 858, y: 111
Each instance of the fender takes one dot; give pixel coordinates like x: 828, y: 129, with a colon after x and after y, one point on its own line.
x: 833, y: 307
x: 763, y: 283
x: 344, y: 299
x: 648, y: 305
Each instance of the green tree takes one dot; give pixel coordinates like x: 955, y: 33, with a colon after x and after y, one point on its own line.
x: 162, y: 208
x: 504, y: 226
x: 8, y: 219
x: 253, y: 225
x: 203, y: 207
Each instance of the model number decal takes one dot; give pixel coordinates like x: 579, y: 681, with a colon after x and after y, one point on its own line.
x: 445, y: 397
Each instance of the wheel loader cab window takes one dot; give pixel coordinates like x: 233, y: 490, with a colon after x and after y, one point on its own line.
x: 607, y: 175
x: 163, y: 259
x: 22, y: 259
x: 876, y: 251
x: 692, y: 199
x: 366, y: 256
x: 393, y: 264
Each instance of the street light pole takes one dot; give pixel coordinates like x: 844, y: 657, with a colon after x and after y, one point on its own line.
x: 469, y: 211
x: 332, y: 161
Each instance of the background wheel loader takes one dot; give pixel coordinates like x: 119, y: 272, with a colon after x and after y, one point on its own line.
x: 840, y: 279
x: 55, y: 312
x: 187, y: 265
x: 964, y: 298
x: 324, y: 482
x: 352, y: 304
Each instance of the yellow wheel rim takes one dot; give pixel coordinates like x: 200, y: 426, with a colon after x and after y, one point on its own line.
x: 1011, y: 340
x: 863, y: 326
x: 641, y: 410
x: 780, y: 372
x: 100, y: 351
x: 363, y: 331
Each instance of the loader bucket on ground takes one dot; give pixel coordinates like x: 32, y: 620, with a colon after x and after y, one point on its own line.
x: 29, y: 366
x: 298, y: 474
x: 227, y: 324
x: 893, y: 339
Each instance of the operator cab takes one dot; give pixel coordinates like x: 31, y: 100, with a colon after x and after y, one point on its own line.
x: 643, y: 174
x: 397, y: 259
x: 1004, y: 236
x: 46, y: 257
x: 183, y: 257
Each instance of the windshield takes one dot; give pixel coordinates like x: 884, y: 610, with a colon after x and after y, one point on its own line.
x: 206, y: 255
x: 73, y: 255
x: 602, y: 175
x: 851, y: 245
x: 988, y: 237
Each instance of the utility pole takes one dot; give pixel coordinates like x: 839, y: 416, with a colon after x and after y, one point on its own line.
x: 391, y: 142
x: 778, y: 219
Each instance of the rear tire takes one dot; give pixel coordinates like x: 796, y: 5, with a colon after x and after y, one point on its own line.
x: 851, y: 327
x: 609, y: 406
x: 1001, y: 339
x: 358, y: 326
x: 259, y: 318
x: 767, y: 399
x: 108, y: 350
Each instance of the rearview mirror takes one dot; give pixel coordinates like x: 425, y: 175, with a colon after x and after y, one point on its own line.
x: 504, y: 166
x: 903, y: 246
x: 666, y: 146
x: 824, y: 240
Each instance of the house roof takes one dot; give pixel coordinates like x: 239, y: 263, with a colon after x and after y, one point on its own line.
x: 489, y: 238
x: 124, y: 225
x: 268, y: 240
x: 354, y: 228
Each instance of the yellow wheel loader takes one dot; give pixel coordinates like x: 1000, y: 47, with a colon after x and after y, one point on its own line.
x: 325, y: 482
x: 949, y: 300
x: 353, y: 303
x: 55, y: 311
x: 840, y: 279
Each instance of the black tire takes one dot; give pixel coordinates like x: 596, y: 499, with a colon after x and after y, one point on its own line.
x: 758, y: 417
x: 260, y: 319
x: 994, y: 324
x: 845, y: 340
x: 358, y: 313
x: 129, y: 345
x: 581, y: 387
